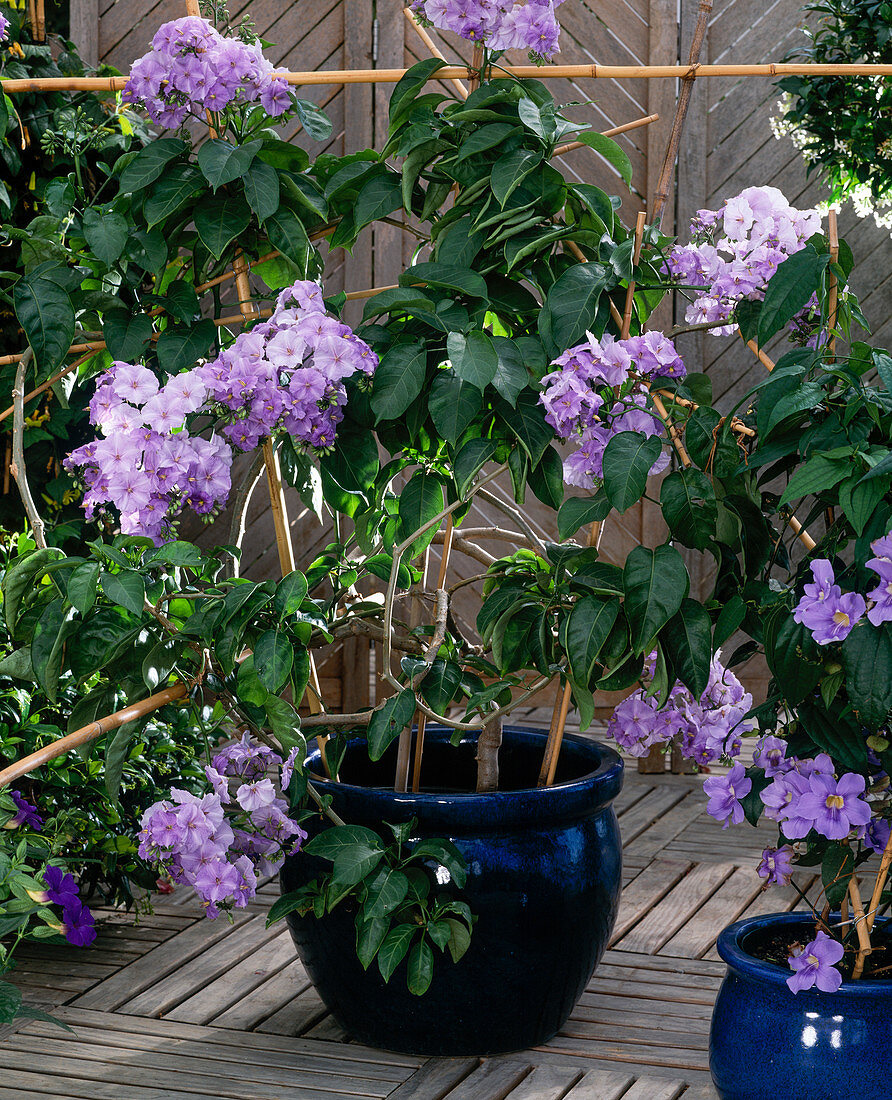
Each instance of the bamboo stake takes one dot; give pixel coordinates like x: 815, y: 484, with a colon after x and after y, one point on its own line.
x: 864, y: 948
x: 833, y: 288
x: 422, y: 717
x: 612, y: 132
x: 766, y: 362
x: 879, y: 885
x: 49, y: 382
x: 630, y: 291
x: 114, y: 84
x: 90, y: 732
x: 681, y: 110
x: 432, y: 46
x: 804, y: 537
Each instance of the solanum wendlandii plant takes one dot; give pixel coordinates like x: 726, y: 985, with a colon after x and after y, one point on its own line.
x: 520, y: 327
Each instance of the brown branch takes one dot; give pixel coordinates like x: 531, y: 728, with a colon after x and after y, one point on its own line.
x: 17, y: 465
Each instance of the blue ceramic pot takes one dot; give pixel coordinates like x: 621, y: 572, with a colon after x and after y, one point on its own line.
x: 544, y: 877
x: 768, y: 1044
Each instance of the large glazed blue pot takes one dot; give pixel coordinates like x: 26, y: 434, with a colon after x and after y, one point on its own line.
x: 768, y: 1044
x: 544, y: 877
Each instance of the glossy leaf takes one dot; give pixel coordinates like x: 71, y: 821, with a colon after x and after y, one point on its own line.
x: 398, y: 380
x: 867, y: 660
x: 453, y: 404
x: 688, y: 643
x: 221, y: 163
x: 628, y: 458
x: 149, y: 163
x: 588, y: 628
x: 273, y: 658
x: 689, y: 506
x: 655, y: 583
x: 473, y: 357
x: 389, y: 721
x: 106, y: 233
x: 220, y: 219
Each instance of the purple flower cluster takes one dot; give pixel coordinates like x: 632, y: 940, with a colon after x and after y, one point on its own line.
x: 26, y: 815
x: 78, y: 925
x: 815, y: 965
x: 829, y: 613
x: 529, y: 25
x: 191, y: 69
x: 710, y: 727
x: 725, y: 793
x: 805, y: 795
x: 4, y: 27
x: 598, y: 391
x: 287, y: 372
x: 219, y: 844
x: 736, y: 249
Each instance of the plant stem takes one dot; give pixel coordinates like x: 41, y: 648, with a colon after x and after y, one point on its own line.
x: 17, y: 466
x: 864, y: 947
x: 488, y: 744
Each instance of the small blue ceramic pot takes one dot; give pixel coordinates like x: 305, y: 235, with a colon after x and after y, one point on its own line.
x: 767, y: 1043
x: 544, y: 877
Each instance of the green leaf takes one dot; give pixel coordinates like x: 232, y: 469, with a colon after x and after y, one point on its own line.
x: 18, y: 664
x: 588, y: 628
x: 789, y: 289
x: 859, y: 498
x: 867, y: 660
x: 262, y: 190
x: 117, y: 752
x: 818, y: 474
x: 793, y: 657
x: 82, y: 586
x: 106, y: 233
x: 459, y: 938
x: 512, y: 375
x: 287, y: 234
x: 126, y: 334
x: 369, y: 937
x: 449, y: 276
x: 149, y: 163
x: 159, y: 662
x: 577, y: 512
x: 172, y: 191
x: 538, y: 117
x: 628, y: 458
x: 610, y: 151
x: 10, y: 1002
x: 19, y: 578
x: 353, y: 465
x: 273, y: 658
x: 50, y: 633
x: 730, y: 617
x: 127, y: 589
x: 181, y: 348
x: 284, y: 721
x: 486, y: 137
x: 386, y: 892
x: 655, y: 583
x: 420, y: 968
x: 453, y: 404
x: 179, y: 553
x: 473, y: 357
x: 220, y: 219
x: 393, y: 950
x: 408, y: 87
x: 441, y: 685
x: 688, y: 643
x: 420, y: 501
x: 527, y: 421
x: 398, y: 380
x: 389, y: 721
x: 45, y: 312
x: 222, y: 163
x: 689, y: 506
x: 547, y: 479
x: 314, y: 120
x: 571, y: 306
x: 470, y: 460
x: 510, y: 171
x: 377, y: 198
x: 291, y: 592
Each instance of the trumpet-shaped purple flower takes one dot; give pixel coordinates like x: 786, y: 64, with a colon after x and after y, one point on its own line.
x: 827, y: 612
x: 78, y: 924
x: 834, y: 806
x: 782, y: 799
x: 770, y: 755
x: 4, y: 27
x: 25, y: 814
x: 725, y: 792
x: 815, y: 965
x: 529, y: 25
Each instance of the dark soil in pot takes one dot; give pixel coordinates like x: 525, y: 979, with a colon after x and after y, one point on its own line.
x: 544, y: 875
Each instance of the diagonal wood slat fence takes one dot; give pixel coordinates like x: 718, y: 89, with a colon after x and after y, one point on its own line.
x: 726, y: 145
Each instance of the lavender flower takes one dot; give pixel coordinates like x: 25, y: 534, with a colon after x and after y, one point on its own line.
x: 827, y: 612
x: 777, y: 865
x: 737, y: 249
x: 529, y: 25
x: 815, y: 965
x: 770, y: 755
x: 192, y: 69
x: 725, y: 792
x: 833, y: 805
x: 4, y: 27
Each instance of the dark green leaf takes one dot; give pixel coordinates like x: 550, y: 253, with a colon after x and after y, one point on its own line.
x: 576, y: 512
x: 377, y: 198
x: 420, y: 968
x: 867, y: 659
x: 628, y: 458
x: 527, y: 421
x: 262, y: 190
x: 420, y: 502
x: 792, y: 655
x: 45, y: 312
x: 689, y: 507
x: 291, y: 591
x: 386, y: 892
x: 510, y: 171
x: 470, y: 460
x: 571, y: 306
x: 836, y: 870
x: 393, y: 950
x: 655, y: 583
x: 20, y: 576
x: 126, y: 334
x: 149, y: 163
x: 398, y: 380
x: 818, y: 474
x: 409, y: 85
x: 220, y: 219
x: 273, y: 658
x: 181, y: 348
x: 610, y: 151
x: 106, y: 233
x: 588, y: 628
x: 222, y: 163
x: 286, y: 233
x: 127, y: 589
x: 389, y: 721
x: 449, y: 276
x: 369, y: 937
x: 172, y: 191
x: 82, y: 586
x: 789, y: 289
x: 453, y: 404
x: 473, y: 357
x: 688, y: 643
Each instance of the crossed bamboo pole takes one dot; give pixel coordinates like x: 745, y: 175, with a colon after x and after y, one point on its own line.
x: 114, y: 84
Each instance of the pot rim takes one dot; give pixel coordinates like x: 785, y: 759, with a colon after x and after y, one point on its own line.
x: 729, y: 948
x: 583, y: 795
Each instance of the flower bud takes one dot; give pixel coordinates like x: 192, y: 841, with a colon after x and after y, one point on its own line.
x: 40, y: 896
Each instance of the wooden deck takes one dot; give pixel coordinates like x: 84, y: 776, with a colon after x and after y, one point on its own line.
x: 180, y: 1008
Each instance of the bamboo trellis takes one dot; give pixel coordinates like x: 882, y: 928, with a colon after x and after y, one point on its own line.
x: 455, y: 73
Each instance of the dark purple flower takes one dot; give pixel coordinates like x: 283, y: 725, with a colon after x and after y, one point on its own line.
x: 27, y: 814
x: 815, y: 965
x: 61, y: 889
x: 78, y: 924
x: 777, y: 865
